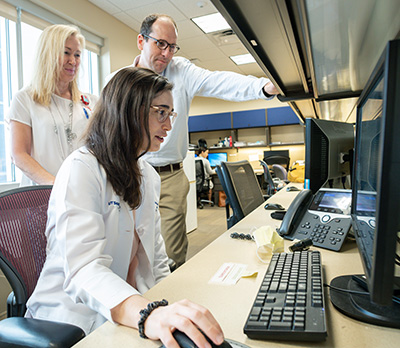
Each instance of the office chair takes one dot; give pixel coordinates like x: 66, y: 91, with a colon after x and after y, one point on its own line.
x: 278, y: 159
x: 271, y: 187
x: 280, y: 172
x: 23, y: 217
x: 202, y: 185
x: 241, y: 188
x: 231, y: 219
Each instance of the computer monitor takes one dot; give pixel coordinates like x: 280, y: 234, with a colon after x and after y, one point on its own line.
x: 376, y: 198
x: 216, y: 158
x: 329, y: 150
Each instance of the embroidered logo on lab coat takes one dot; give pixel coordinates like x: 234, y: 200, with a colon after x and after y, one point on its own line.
x: 115, y: 203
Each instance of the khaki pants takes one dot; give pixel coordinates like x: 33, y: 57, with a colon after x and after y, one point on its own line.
x: 173, y: 205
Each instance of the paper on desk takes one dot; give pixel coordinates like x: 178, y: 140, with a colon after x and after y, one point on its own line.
x: 268, y: 241
x: 228, y: 274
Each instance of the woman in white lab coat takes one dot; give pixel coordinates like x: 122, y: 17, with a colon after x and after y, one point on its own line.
x: 104, y: 247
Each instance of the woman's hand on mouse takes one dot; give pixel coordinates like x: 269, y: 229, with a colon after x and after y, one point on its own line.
x: 187, y: 317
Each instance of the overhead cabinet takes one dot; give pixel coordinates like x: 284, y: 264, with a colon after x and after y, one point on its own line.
x: 243, y: 119
x: 210, y: 122
x: 281, y: 116
x: 249, y: 118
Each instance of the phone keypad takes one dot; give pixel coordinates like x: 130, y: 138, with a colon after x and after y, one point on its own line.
x: 328, y: 232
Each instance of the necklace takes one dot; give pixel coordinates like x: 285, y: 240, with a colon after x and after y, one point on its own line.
x: 68, y: 127
x: 71, y: 136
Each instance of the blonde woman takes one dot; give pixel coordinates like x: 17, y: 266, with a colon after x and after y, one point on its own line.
x: 48, y: 117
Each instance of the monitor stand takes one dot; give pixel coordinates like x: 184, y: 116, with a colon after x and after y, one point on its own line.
x: 360, y: 307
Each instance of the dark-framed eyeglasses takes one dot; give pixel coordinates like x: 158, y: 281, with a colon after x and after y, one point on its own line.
x: 163, y: 45
x: 163, y: 114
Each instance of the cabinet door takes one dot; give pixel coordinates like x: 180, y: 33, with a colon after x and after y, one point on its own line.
x: 210, y: 122
x: 281, y: 116
x: 249, y: 118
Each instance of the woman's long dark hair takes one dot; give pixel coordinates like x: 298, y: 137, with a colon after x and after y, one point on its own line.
x: 115, y: 134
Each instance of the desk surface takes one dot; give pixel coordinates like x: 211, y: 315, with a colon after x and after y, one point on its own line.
x: 231, y: 304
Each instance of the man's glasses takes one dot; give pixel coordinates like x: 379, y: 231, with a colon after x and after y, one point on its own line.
x: 163, y: 114
x: 163, y: 45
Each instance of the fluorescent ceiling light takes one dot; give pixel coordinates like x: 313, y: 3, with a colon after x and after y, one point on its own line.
x: 243, y: 59
x: 211, y: 23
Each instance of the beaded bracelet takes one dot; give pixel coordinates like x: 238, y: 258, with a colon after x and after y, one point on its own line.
x: 145, y: 312
x: 236, y: 235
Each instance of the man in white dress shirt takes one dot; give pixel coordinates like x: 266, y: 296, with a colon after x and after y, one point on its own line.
x: 157, y: 42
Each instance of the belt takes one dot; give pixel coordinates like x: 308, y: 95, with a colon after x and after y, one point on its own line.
x: 169, y: 167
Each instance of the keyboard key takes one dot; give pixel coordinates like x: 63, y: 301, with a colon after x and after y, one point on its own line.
x: 257, y: 325
x: 280, y: 325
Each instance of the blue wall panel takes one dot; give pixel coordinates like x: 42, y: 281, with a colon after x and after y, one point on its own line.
x: 281, y: 116
x: 210, y: 122
x: 249, y: 118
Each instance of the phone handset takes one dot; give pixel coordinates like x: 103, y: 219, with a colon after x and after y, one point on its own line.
x: 295, y: 212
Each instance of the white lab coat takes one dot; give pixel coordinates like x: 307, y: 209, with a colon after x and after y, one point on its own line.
x: 90, y: 233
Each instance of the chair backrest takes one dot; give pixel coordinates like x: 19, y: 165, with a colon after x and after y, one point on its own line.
x: 271, y: 189
x: 202, y: 185
x: 279, y: 159
x: 23, y: 218
x: 279, y: 171
x: 231, y: 219
x: 243, y: 189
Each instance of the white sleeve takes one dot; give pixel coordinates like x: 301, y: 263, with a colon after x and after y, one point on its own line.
x: 20, y: 109
x: 225, y: 85
x: 208, y: 168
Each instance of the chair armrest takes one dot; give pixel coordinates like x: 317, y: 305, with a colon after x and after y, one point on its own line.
x: 20, y: 332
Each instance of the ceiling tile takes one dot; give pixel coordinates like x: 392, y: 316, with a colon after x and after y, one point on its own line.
x: 191, y: 8
x: 164, y: 6
x: 212, y: 53
x: 131, y: 4
x: 233, y: 50
x: 187, y: 29
x: 190, y: 45
x: 106, y: 6
x: 128, y: 20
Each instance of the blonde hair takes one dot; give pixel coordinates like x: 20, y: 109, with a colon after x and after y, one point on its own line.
x: 48, y: 64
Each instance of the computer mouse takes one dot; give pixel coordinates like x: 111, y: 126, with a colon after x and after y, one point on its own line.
x: 185, y: 342
x: 273, y: 206
x: 292, y: 188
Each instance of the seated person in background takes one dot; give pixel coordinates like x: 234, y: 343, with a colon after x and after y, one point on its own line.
x: 202, y: 154
x: 104, y: 246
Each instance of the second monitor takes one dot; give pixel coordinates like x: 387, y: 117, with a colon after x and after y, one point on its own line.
x: 215, y: 158
x: 329, y: 150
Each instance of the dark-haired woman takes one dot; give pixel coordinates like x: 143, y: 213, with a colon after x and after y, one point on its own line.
x: 104, y: 243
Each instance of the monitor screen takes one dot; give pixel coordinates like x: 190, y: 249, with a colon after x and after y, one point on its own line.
x: 376, y: 197
x: 329, y: 148
x: 216, y: 158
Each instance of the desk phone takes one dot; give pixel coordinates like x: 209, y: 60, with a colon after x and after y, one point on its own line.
x: 323, y: 217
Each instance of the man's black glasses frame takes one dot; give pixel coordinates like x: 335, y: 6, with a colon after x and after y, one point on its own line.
x: 163, y: 45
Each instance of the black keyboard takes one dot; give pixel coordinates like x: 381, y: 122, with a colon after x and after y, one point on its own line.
x: 290, y: 302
